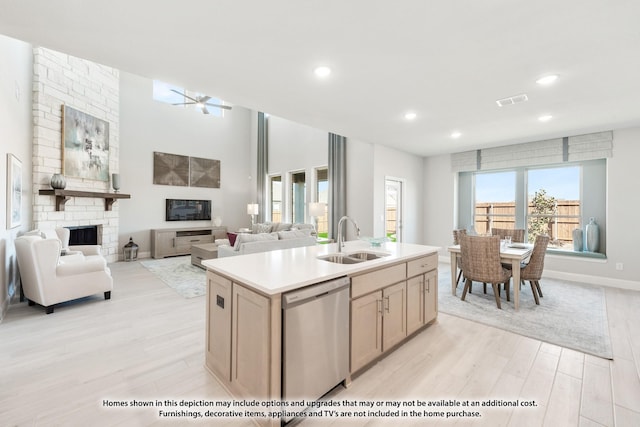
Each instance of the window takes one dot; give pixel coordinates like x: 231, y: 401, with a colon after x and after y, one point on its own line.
x: 322, y: 196
x: 553, y: 200
x: 495, y: 201
x: 178, y: 96
x: 275, y: 193
x: 298, y: 196
x: 553, y: 206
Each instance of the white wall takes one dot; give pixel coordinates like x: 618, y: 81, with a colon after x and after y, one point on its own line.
x: 623, y: 205
x: 147, y: 126
x: 292, y: 148
x: 360, y: 186
x: 391, y: 163
x: 16, y: 67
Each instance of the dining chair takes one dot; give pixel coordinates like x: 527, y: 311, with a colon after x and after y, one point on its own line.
x: 532, y: 271
x: 517, y: 235
x: 481, y: 262
x: 456, y: 241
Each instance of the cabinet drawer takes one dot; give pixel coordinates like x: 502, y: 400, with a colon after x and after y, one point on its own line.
x: 422, y: 265
x: 183, y: 244
x: 370, y: 282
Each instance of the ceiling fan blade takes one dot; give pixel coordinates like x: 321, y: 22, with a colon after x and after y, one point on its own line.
x: 204, y: 110
x: 185, y: 95
x: 204, y: 99
x: 225, y: 107
x: 184, y: 103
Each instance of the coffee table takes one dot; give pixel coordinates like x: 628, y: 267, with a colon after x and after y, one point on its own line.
x: 201, y: 252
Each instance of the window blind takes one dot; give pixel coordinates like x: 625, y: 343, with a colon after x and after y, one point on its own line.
x: 551, y: 151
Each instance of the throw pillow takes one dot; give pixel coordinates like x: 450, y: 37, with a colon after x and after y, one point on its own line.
x: 293, y: 234
x: 262, y: 228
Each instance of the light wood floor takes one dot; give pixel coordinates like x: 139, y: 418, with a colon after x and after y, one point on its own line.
x: 147, y: 343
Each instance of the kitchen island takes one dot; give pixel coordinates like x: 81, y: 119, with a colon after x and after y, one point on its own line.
x: 391, y: 297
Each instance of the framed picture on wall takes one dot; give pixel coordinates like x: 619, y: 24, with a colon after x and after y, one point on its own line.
x: 85, y: 145
x: 14, y: 191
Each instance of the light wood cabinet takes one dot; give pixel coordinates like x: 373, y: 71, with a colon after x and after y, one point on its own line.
x: 415, y: 304
x: 394, y: 315
x: 422, y: 300
x: 250, y: 340
x: 430, y: 296
x: 389, y: 304
x: 366, y: 329
x: 218, y: 354
x: 178, y: 241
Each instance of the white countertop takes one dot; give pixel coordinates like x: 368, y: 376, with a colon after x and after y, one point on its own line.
x: 279, y: 271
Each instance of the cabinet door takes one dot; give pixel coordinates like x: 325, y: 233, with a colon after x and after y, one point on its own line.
x: 415, y: 303
x: 251, y: 348
x: 394, y: 315
x: 430, y: 296
x: 165, y: 244
x: 219, y: 325
x: 366, y: 329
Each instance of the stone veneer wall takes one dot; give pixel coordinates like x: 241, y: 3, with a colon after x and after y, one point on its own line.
x: 94, y: 89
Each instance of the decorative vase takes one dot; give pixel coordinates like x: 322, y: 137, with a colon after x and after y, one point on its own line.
x: 58, y: 181
x: 115, y: 181
x: 578, y: 243
x: 592, y: 236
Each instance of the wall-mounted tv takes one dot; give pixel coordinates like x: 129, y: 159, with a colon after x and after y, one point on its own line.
x: 188, y: 210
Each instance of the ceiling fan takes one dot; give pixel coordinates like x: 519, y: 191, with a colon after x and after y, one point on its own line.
x: 200, y: 101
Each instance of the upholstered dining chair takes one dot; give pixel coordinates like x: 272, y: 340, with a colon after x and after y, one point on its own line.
x: 517, y: 235
x: 481, y: 263
x: 532, y: 271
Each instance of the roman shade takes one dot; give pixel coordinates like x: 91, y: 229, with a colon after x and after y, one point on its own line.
x: 551, y: 151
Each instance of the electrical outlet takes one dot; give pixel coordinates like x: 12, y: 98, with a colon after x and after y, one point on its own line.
x: 619, y: 266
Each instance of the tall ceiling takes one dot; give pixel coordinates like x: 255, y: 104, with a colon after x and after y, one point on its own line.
x: 446, y: 60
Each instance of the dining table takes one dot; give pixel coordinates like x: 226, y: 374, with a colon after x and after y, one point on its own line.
x: 513, y: 254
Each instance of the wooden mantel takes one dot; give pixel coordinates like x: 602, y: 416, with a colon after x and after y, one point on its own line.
x: 62, y: 196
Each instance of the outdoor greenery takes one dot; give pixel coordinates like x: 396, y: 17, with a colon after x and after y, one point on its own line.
x: 543, y: 207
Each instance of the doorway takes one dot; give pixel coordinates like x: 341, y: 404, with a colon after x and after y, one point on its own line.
x: 393, y: 215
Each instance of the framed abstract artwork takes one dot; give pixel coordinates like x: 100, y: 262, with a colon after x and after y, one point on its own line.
x: 14, y: 191
x: 85, y: 145
x: 170, y: 169
x: 204, y: 172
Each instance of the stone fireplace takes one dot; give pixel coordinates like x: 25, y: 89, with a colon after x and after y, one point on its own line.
x: 60, y: 79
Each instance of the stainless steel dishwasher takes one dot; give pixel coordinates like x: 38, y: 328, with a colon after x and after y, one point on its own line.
x: 315, y: 346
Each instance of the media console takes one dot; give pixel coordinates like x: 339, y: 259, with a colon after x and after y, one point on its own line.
x: 167, y: 242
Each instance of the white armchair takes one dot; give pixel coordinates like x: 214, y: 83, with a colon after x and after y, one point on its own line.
x: 49, y: 278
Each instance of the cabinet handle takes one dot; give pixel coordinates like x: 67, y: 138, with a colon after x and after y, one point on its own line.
x: 173, y: 242
x: 387, y: 304
x: 195, y: 240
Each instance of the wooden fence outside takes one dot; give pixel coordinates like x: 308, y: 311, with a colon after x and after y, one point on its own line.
x: 502, y: 215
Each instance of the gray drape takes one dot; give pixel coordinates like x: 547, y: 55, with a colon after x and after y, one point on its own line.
x: 337, y: 182
x: 262, y: 169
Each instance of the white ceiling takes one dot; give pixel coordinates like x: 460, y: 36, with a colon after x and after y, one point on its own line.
x: 446, y: 60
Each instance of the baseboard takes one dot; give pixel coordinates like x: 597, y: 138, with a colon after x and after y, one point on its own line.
x: 575, y: 277
x: 593, y: 280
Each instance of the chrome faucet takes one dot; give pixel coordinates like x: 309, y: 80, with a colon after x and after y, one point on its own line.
x: 355, y: 224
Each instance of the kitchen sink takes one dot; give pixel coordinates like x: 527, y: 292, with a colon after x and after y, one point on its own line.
x: 366, y: 256
x: 352, y: 258
x: 340, y: 259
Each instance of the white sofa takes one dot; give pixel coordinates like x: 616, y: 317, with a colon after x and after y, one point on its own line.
x: 263, y: 242
x: 49, y: 278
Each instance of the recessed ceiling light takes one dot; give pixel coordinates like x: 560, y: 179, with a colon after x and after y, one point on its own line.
x: 410, y: 115
x: 456, y: 135
x: 547, y: 80
x: 322, y: 71
x: 545, y: 118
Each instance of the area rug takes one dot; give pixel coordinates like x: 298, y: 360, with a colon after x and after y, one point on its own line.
x: 179, y: 274
x: 570, y: 314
